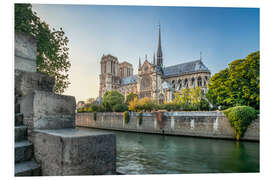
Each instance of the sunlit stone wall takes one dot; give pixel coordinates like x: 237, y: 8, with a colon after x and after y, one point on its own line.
x: 200, y: 124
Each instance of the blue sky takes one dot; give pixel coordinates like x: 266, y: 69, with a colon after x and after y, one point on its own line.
x: 127, y: 32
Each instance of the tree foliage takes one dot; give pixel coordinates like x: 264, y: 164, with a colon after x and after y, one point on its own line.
x: 239, y: 84
x: 126, y: 117
x: 120, y: 108
x: 111, y: 98
x: 130, y: 97
x: 240, y: 118
x: 140, y: 118
x: 52, y: 50
x: 189, y: 99
x: 144, y: 104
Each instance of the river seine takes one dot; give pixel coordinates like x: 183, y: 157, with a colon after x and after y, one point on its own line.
x: 139, y: 153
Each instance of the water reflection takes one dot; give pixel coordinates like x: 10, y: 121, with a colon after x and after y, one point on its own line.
x: 147, y: 154
x: 139, y: 153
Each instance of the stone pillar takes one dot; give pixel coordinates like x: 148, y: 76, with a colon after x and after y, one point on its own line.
x: 25, y: 52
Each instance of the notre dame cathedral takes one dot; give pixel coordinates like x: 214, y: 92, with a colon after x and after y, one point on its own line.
x: 153, y: 79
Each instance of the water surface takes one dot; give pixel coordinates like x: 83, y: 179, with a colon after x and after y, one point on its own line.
x: 139, y: 153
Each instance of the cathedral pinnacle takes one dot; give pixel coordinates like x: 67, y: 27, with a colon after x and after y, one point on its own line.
x: 159, y: 51
x: 154, y: 59
x: 140, y: 63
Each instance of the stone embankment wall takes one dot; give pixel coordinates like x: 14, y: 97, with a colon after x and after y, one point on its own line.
x: 199, y: 124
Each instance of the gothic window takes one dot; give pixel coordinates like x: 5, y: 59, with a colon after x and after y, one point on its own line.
x: 206, y: 78
x: 199, y: 81
x: 186, y: 83
x: 173, y: 81
x: 146, y: 69
x: 146, y: 83
x: 193, y: 82
x: 111, y: 66
x: 180, y: 83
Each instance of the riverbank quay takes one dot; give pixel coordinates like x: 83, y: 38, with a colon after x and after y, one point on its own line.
x: 205, y: 124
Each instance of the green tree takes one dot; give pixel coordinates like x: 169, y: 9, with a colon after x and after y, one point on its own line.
x: 112, y: 98
x: 237, y: 85
x: 130, y: 97
x: 90, y: 100
x: 52, y: 50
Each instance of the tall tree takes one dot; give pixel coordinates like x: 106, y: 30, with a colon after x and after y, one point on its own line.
x: 52, y: 50
x: 111, y: 98
x: 130, y: 97
x: 237, y: 85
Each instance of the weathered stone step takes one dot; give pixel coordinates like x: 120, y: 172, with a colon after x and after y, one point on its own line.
x: 27, y: 168
x: 23, y: 151
x: 20, y: 133
x: 18, y: 119
x: 17, y: 108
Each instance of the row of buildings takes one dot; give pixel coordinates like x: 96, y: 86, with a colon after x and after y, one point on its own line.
x: 153, y: 79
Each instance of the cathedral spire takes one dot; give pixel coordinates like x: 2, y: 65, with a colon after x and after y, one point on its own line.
x: 140, y: 63
x: 159, y: 50
x: 154, y: 59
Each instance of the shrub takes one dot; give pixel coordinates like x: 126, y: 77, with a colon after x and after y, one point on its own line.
x: 140, y: 118
x: 204, y: 105
x: 144, y: 104
x: 171, y: 107
x: 133, y: 105
x: 240, y: 118
x: 120, y: 108
x: 126, y: 116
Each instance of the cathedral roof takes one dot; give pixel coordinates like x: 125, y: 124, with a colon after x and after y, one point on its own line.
x: 129, y: 80
x: 185, y: 68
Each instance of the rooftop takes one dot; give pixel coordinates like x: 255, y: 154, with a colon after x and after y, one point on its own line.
x: 184, y: 68
x: 129, y: 80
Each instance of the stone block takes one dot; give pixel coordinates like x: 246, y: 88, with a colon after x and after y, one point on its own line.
x: 20, y: 133
x: 27, y: 82
x: 46, y: 110
x: 27, y: 168
x: 25, y: 52
x: 74, y: 152
x: 23, y: 151
x: 18, y: 119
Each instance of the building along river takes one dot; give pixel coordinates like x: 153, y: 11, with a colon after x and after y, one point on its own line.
x: 140, y: 153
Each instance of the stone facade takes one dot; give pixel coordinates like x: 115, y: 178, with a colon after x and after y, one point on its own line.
x: 153, y: 79
x: 198, y: 124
